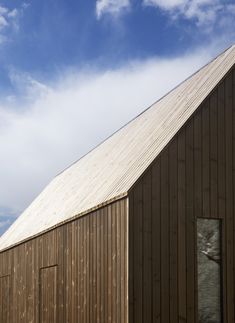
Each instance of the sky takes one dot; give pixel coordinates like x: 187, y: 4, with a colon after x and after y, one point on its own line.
x: 72, y: 72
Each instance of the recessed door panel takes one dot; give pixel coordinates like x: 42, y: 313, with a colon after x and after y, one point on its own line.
x: 4, y: 299
x: 48, y: 295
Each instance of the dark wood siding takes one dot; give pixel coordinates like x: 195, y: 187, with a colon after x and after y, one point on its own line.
x: 74, y: 273
x: 194, y: 176
x: 5, y: 297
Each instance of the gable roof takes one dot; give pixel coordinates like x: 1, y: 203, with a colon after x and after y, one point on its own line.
x: 109, y: 171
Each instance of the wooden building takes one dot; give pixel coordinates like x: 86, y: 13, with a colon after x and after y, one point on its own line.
x: 141, y: 229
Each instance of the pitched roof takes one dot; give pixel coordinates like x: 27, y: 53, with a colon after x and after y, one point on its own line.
x: 109, y: 171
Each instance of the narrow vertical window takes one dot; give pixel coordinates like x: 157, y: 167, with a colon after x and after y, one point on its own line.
x: 209, y: 271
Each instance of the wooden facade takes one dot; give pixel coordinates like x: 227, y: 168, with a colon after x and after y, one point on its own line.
x: 135, y: 259
x: 74, y: 273
x: 193, y: 177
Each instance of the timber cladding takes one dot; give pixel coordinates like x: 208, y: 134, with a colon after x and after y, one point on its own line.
x: 74, y: 273
x: 193, y: 177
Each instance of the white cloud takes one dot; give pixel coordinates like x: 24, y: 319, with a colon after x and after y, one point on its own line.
x: 3, y: 22
x: 13, y: 13
x: 204, y: 12
x: 69, y: 118
x: 113, y: 7
x: 3, y: 10
x: 26, y: 86
x: 165, y: 4
x: 9, y: 21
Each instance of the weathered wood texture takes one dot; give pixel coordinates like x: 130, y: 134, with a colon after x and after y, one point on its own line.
x: 74, y: 273
x: 194, y: 176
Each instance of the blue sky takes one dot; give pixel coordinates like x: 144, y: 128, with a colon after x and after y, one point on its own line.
x: 73, y: 71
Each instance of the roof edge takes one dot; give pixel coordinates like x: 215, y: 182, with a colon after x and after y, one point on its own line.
x: 75, y: 217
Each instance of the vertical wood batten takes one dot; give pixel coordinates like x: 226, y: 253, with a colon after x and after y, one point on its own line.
x: 198, y: 212
x: 233, y: 143
x: 182, y: 270
x: 138, y: 255
x: 114, y: 263
x: 233, y: 167
x: 98, y: 270
x: 131, y: 258
x: 109, y: 290
x: 206, y: 158
x: 147, y: 248
x: 222, y: 187
x: 106, y: 263
x: 119, y: 281
x: 229, y: 197
x: 173, y: 234
x: 214, y: 154
x: 165, y: 239
x: 190, y: 223
x: 156, y: 243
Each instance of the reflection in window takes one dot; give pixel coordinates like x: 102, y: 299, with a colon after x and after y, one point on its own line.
x: 209, y: 271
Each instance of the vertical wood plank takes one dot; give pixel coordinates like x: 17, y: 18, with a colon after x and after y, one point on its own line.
x: 118, y: 263
x: 130, y: 259
x: 206, y: 158
x: 233, y: 143
x: 109, y: 264
x: 125, y: 269
x: 114, y: 263
x: 197, y: 188
x: 102, y: 266
x: 222, y: 185
x: 138, y: 254
x: 182, y: 270
x: 173, y: 224
x: 106, y: 268
x: 94, y: 268
x: 98, y: 268
x: 229, y: 196
x: 165, y: 246
x: 214, y: 154
x: 190, y: 223
x: 147, y: 248
x: 156, y: 242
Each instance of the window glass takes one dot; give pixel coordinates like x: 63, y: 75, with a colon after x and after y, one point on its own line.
x: 209, y: 271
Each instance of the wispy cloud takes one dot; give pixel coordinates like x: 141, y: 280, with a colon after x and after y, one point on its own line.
x: 65, y: 120
x: 5, y: 222
x: 203, y: 12
x: 9, y: 21
x: 113, y: 7
x: 26, y: 87
x: 3, y: 22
